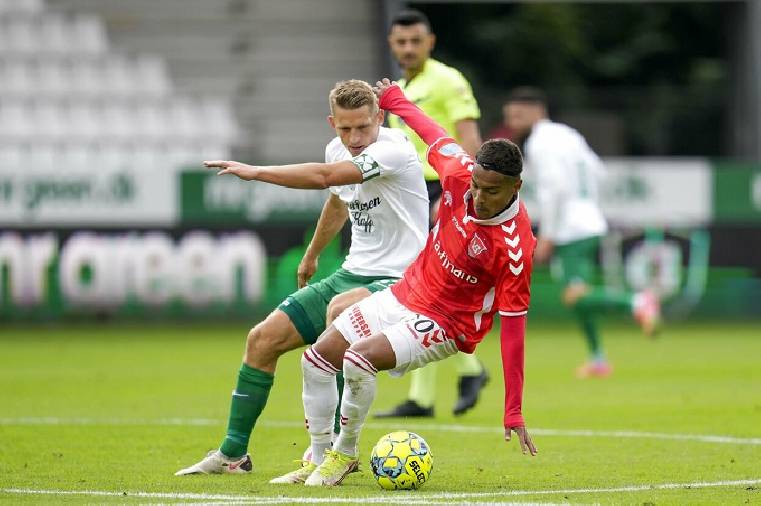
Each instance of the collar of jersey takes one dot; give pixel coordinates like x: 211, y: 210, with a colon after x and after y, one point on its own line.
x: 507, y: 214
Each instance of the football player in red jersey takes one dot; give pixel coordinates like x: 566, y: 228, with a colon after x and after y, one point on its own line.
x: 477, y: 261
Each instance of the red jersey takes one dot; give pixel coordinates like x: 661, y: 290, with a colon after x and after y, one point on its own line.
x: 469, y: 268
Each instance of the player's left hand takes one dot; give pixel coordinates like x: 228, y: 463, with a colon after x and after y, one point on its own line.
x: 527, y: 446
x: 243, y: 171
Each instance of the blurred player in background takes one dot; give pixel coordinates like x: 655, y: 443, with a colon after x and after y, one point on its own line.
x: 567, y: 174
x: 375, y: 180
x: 445, y: 95
x: 477, y: 261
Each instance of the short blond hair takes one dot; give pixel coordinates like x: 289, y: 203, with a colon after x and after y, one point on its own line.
x: 353, y: 94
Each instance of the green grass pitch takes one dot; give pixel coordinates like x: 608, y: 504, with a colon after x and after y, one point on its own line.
x: 110, y: 412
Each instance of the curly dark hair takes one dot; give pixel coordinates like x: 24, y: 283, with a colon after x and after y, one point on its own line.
x: 500, y: 155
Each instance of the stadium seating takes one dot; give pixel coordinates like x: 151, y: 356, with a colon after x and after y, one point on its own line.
x: 69, y: 98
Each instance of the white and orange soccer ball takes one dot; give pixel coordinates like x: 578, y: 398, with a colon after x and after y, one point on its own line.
x: 401, y: 461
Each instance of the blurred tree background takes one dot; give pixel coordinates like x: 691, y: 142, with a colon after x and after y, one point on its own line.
x: 641, y: 79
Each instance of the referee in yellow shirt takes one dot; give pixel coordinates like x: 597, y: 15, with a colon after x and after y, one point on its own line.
x: 445, y: 95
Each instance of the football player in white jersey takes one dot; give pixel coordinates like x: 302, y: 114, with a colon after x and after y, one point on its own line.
x: 566, y: 173
x: 376, y: 181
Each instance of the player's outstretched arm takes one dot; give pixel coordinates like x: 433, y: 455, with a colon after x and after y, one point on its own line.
x: 512, y: 338
x: 332, y: 218
x: 307, y: 176
x: 391, y: 98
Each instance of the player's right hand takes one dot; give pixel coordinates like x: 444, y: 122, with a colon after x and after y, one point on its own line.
x: 382, y: 85
x: 307, y: 268
x: 243, y: 171
x: 527, y: 446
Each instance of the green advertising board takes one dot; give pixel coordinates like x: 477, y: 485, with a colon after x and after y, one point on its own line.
x: 737, y: 193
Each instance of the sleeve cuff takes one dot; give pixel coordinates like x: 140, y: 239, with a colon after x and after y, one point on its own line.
x: 514, y: 421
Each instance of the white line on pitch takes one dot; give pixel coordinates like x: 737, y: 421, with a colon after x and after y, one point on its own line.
x: 403, y: 498
x: 703, y: 438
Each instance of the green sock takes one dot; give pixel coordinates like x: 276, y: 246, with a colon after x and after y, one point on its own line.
x: 423, y: 385
x: 340, y: 387
x: 591, y: 333
x: 598, y: 300
x: 249, y: 399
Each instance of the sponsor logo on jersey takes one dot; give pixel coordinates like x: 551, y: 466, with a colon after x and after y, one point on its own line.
x: 451, y: 149
x: 476, y: 246
x: 452, y: 268
x: 448, y: 198
x: 360, y: 216
x: 458, y: 226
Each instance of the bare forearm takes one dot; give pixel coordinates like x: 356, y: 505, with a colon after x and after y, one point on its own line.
x: 309, y: 176
x: 332, y: 218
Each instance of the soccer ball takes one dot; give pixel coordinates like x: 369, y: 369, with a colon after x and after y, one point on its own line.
x: 401, y: 461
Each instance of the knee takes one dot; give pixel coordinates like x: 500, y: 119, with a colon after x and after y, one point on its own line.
x: 337, y: 306
x: 265, y: 340
x: 356, y: 365
x: 573, y: 293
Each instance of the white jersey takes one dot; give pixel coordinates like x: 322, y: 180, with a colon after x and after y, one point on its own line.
x: 567, y: 175
x: 389, y: 210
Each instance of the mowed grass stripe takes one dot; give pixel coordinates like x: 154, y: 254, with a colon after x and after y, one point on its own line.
x: 206, y: 422
x: 388, y: 498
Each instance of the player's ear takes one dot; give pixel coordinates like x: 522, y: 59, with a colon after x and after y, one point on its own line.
x: 431, y: 41
x: 331, y: 121
x: 518, y: 184
x: 380, y: 116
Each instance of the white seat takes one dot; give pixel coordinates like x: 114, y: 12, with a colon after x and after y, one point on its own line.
x: 84, y: 124
x: 76, y: 156
x: 118, y: 77
x: 21, y: 36
x: 53, y: 78
x: 86, y: 78
x: 152, y: 123
x: 187, y: 120
x: 42, y: 157
x: 219, y: 119
x: 55, y: 35
x: 20, y: 6
x: 49, y: 122
x: 182, y: 155
x: 114, y: 157
x: 16, y: 124
x: 152, y: 75
x: 89, y: 35
x: 11, y: 156
x: 18, y: 78
x: 117, y: 124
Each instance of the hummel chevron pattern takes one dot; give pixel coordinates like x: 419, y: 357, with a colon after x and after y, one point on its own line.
x: 516, y: 267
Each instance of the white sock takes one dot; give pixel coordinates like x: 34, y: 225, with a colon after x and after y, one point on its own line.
x: 359, y: 392
x: 320, y: 400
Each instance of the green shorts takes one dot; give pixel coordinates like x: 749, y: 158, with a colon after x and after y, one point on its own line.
x: 575, y: 261
x: 307, y: 307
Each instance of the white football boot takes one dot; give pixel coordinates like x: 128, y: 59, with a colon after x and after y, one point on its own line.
x: 333, y: 469
x: 217, y: 463
x: 298, y: 476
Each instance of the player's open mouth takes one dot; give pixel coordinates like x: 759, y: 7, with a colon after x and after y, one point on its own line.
x: 357, y: 149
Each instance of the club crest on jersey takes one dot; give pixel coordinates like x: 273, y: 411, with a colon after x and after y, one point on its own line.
x: 450, y: 149
x: 476, y: 246
x: 448, y: 198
